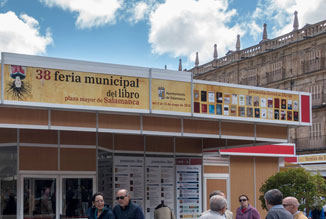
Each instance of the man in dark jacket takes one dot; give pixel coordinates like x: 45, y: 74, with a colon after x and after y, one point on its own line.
x: 273, y: 201
x: 126, y: 209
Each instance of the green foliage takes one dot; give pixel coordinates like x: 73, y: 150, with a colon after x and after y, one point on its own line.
x: 299, y: 183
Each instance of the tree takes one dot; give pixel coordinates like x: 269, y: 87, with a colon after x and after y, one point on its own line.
x: 297, y: 182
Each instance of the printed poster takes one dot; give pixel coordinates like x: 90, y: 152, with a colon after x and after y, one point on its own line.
x: 189, y: 184
x: 56, y: 86
x: 246, y: 103
x: 129, y: 174
x: 172, y: 95
x: 159, y: 183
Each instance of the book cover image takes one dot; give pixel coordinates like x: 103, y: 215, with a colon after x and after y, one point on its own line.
x: 256, y: 101
x: 289, y: 104
x: 227, y: 98
x: 204, y: 108
x: 249, y: 100
x: 211, y: 97
x: 196, y: 107
x: 211, y: 109
x: 270, y: 102
x: 296, y: 116
x: 270, y: 114
x: 257, y: 113
x: 241, y: 100
x: 226, y: 110
x: 233, y: 110
x: 276, y: 103
x: 219, y: 109
x: 263, y: 102
x: 242, y: 111
x: 203, y: 95
x: 235, y: 99
x: 277, y: 114
x: 219, y: 97
x: 295, y: 105
x: 283, y: 103
x: 263, y: 113
x: 283, y: 116
x: 289, y: 115
x: 196, y: 95
x: 249, y: 112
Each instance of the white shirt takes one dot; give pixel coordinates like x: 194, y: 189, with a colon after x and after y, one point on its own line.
x: 212, y: 215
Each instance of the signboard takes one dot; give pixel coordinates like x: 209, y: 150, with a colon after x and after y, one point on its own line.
x: 129, y: 174
x: 189, y: 184
x: 57, y: 86
x: 107, y: 87
x: 245, y: 103
x: 313, y: 158
x: 159, y: 183
x: 171, y: 95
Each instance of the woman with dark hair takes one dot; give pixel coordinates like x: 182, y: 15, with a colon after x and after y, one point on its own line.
x: 246, y: 211
x: 99, y: 210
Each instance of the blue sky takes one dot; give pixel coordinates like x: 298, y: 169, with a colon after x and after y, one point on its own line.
x: 145, y: 32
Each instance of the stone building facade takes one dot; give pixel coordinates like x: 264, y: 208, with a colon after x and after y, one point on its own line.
x: 294, y: 61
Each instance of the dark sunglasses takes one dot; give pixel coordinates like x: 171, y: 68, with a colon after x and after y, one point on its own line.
x: 120, y: 197
x: 242, y: 200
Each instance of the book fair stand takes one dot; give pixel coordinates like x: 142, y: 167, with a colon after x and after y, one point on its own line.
x: 70, y: 128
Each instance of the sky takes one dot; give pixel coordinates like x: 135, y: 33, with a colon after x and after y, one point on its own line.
x: 146, y: 33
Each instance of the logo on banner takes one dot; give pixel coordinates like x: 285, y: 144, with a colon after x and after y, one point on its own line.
x: 18, y: 88
x: 161, y: 93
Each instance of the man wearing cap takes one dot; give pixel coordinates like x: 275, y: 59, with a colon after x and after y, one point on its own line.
x: 291, y: 204
x: 126, y: 209
x: 273, y: 201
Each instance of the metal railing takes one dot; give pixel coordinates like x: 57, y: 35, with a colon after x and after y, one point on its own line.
x: 271, y: 44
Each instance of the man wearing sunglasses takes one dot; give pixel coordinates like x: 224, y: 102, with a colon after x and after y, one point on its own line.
x: 291, y: 204
x: 126, y: 209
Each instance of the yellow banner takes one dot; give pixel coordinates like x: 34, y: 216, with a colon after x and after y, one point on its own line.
x: 312, y: 158
x: 171, y: 95
x: 78, y: 88
x: 247, y: 103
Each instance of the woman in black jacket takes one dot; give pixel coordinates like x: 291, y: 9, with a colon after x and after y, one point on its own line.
x: 99, y: 210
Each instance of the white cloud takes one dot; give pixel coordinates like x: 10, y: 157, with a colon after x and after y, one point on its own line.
x: 91, y: 13
x: 22, y: 35
x: 255, y: 30
x: 280, y: 13
x: 182, y: 27
x: 139, y: 12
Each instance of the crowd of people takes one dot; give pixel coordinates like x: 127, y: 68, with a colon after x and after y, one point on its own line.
x: 278, y: 208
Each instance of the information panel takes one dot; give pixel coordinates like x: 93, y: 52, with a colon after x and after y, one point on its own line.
x: 159, y: 183
x: 246, y: 103
x: 129, y: 174
x: 189, y: 184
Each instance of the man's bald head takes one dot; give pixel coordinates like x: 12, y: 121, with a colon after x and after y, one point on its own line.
x: 291, y: 204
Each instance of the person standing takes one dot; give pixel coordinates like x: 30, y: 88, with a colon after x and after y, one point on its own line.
x: 99, y: 210
x: 162, y: 211
x: 246, y: 211
x: 273, y: 201
x: 227, y: 214
x: 291, y: 204
x: 217, y: 205
x: 126, y: 209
